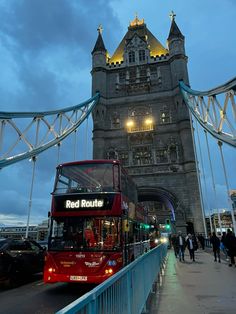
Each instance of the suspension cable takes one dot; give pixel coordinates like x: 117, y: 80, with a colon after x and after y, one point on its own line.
x: 75, y: 140
x: 30, y: 197
x: 3, y: 123
x: 213, y: 180
x: 86, y: 139
x: 227, y: 185
x: 198, y: 176
x: 204, y: 180
x: 58, y: 153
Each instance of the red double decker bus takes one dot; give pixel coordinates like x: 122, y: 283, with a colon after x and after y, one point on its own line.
x: 96, y: 224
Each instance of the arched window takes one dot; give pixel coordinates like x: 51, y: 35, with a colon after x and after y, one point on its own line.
x: 141, y: 55
x: 131, y: 56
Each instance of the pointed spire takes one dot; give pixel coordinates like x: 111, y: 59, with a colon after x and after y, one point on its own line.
x: 174, y: 30
x: 99, y: 46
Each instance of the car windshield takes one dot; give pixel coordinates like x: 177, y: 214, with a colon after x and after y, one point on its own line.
x: 88, y: 234
x: 86, y: 178
x: 3, y: 243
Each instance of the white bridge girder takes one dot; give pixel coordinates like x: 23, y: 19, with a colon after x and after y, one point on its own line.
x: 24, y: 135
x: 215, y: 110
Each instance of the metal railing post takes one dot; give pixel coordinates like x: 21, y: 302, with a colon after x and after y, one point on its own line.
x: 227, y: 186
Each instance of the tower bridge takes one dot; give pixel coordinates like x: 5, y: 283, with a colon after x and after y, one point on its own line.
x: 146, y: 115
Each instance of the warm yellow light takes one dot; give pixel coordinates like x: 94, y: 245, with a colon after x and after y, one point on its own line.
x: 148, y: 121
x: 163, y: 240
x: 109, y: 271
x: 130, y: 123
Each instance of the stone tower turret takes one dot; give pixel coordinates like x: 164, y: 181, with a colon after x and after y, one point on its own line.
x: 178, y: 59
x: 142, y: 120
x: 99, y: 62
x: 99, y: 74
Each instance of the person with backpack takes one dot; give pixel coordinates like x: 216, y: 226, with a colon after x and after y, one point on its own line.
x: 215, y: 241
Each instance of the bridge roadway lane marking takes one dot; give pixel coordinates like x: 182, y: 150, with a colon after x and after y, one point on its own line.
x: 203, y: 287
x: 39, y: 298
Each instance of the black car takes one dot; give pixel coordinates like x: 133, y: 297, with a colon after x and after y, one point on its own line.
x: 19, y: 259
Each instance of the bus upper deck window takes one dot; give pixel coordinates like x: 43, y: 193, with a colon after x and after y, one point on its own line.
x: 116, y: 177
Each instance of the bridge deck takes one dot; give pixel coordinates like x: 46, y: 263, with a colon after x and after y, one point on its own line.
x: 201, y: 287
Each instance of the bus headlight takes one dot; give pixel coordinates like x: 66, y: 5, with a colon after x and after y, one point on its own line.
x: 109, y: 271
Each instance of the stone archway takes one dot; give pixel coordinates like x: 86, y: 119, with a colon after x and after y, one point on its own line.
x: 172, y: 208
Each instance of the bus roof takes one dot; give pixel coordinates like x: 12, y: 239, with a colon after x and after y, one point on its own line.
x: 94, y: 161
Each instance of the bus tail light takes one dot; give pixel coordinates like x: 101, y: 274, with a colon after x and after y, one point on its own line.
x: 108, y: 271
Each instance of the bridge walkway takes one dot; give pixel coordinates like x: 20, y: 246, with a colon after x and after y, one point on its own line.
x: 201, y: 287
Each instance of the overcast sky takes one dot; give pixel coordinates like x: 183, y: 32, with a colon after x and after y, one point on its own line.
x: 45, y: 63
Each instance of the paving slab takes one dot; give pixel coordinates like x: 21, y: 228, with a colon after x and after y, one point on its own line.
x: 201, y: 287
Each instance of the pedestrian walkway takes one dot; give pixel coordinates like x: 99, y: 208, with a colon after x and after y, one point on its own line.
x: 201, y: 287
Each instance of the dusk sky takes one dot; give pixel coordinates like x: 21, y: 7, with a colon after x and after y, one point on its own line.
x: 45, y: 63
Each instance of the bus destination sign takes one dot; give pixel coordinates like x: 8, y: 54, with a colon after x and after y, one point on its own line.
x: 69, y: 203
x: 83, y: 203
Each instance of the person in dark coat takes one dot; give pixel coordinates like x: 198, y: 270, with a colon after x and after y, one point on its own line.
x: 215, y: 241
x: 174, y: 244
x: 180, y: 246
x: 223, y: 246
x: 230, y: 243
x: 201, y: 239
x: 192, y: 246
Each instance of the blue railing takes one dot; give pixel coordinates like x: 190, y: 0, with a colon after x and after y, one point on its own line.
x: 126, y: 292
x: 208, y: 243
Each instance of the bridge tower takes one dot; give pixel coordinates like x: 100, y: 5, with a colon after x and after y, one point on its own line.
x: 141, y: 119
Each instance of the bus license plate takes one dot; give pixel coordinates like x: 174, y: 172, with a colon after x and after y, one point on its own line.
x: 78, y: 278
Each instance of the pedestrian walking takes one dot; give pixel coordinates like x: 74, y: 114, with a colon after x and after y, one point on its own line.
x: 192, y: 246
x: 201, y: 240
x: 230, y: 242
x: 215, y: 241
x: 174, y: 244
x: 180, y: 246
x: 223, y: 246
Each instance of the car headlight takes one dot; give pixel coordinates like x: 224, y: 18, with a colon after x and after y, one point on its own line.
x: 163, y: 240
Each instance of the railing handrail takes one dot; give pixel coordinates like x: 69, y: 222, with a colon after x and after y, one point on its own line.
x: 125, y: 273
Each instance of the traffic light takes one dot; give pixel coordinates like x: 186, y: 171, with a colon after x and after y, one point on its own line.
x: 167, y: 224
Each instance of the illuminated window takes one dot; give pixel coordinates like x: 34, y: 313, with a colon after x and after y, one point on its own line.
x: 141, y: 55
x: 131, y: 57
x: 140, y: 120
x: 165, y: 115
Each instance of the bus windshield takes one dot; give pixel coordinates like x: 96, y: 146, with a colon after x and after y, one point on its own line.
x: 85, y: 234
x: 87, y: 178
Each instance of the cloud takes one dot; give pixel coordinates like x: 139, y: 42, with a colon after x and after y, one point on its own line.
x: 46, y: 48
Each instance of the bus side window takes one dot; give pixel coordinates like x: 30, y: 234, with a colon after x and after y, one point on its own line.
x: 116, y: 177
x: 89, y: 237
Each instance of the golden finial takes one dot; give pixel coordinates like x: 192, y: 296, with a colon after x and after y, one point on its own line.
x: 172, y: 15
x: 100, y: 29
x: 136, y: 21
